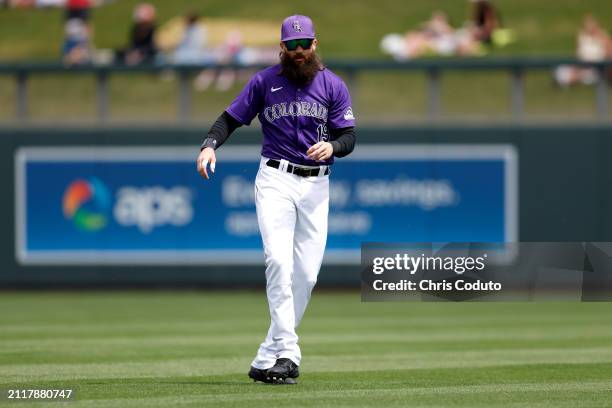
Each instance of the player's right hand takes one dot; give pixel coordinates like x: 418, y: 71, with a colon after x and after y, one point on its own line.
x: 206, y: 156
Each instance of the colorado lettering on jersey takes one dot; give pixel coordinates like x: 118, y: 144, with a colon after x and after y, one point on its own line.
x: 293, y: 116
x: 312, y: 109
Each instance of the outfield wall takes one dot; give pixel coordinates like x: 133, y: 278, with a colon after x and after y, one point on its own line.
x: 153, y: 222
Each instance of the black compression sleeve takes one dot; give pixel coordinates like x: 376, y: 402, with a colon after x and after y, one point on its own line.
x: 343, y: 141
x: 220, y: 131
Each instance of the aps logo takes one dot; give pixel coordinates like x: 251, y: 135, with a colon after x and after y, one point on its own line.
x: 90, y: 205
x: 87, y: 202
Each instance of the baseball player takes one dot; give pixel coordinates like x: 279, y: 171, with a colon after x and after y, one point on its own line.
x: 307, y: 120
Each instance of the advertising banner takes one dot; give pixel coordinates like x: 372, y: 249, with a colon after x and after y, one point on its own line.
x: 148, y: 205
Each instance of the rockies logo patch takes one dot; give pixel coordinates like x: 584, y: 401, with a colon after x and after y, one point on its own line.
x: 348, y: 115
x: 297, y: 27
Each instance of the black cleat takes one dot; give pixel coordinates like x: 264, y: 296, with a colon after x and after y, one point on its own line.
x: 258, y: 374
x: 290, y: 381
x: 284, y: 371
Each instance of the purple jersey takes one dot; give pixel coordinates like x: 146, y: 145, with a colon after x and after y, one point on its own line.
x: 294, y: 117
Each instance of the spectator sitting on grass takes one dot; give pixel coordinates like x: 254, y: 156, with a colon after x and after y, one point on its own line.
x: 142, y: 48
x: 485, y: 20
x: 77, y: 45
x: 78, y: 9
x: 192, y: 47
x: 435, y: 37
x: 592, y: 45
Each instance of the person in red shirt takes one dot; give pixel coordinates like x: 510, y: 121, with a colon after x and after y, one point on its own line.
x: 78, y: 9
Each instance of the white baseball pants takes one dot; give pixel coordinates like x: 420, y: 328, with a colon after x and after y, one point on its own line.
x: 292, y: 216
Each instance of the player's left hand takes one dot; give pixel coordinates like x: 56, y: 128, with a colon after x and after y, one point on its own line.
x: 320, y: 151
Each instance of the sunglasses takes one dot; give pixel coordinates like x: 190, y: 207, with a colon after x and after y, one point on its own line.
x: 292, y: 45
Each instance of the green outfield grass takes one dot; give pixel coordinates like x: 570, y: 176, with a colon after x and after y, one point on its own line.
x: 158, y: 349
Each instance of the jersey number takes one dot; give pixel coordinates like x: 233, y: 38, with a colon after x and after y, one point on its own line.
x: 322, y: 133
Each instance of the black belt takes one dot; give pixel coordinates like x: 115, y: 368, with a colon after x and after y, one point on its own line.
x: 298, y: 171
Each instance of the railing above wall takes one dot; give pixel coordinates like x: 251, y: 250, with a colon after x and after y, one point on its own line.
x: 433, y: 68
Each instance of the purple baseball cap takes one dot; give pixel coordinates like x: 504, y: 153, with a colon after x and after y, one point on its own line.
x: 295, y: 27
